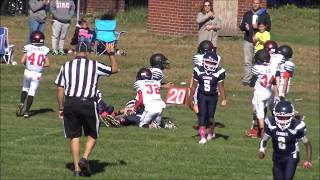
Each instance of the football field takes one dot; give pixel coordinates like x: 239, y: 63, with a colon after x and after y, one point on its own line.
x: 35, y: 148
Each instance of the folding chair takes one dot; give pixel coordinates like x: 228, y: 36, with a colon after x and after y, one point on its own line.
x: 6, y: 49
x: 106, y: 33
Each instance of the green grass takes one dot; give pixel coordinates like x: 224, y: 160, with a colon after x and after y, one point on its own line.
x: 36, y: 149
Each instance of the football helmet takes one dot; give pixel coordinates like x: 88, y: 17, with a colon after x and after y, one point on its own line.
x: 159, y: 60
x: 286, y: 51
x: 210, y: 62
x: 37, y: 38
x: 271, y: 46
x: 283, y: 114
x: 205, y: 46
x: 262, y: 56
x: 144, y: 74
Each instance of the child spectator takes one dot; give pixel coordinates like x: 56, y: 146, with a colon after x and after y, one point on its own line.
x: 82, y: 34
x: 260, y: 37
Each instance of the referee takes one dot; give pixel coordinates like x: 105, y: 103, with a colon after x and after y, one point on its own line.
x: 76, y: 88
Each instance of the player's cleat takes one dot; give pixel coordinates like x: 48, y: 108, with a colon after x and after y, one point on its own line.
x: 170, y: 125
x: 253, y: 133
x: 19, y: 111
x: 211, y: 137
x: 61, y: 53
x: 85, y: 167
x: 154, y: 125
x: 203, y: 141
x: 54, y: 52
x: 26, y: 115
x: 78, y: 173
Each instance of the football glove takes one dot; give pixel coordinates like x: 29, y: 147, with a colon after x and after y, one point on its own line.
x: 110, y: 121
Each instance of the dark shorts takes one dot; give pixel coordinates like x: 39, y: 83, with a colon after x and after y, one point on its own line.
x: 80, y: 115
x: 207, y: 108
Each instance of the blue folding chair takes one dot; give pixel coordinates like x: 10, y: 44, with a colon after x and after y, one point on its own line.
x: 106, y: 33
x: 6, y: 49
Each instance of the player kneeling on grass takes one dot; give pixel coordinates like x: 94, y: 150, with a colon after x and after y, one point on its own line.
x: 148, y: 95
x: 263, y: 81
x: 35, y: 59
x: 209, y: 79
x: 285, y: 131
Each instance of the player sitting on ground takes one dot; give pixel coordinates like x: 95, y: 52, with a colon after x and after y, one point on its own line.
x: 285, y: 132
x: 35, y: 59
x: 263, y: 81
x: 148, y: 95
x: 208, y: 78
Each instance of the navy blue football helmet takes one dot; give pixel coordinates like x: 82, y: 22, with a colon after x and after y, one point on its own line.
x: 283, y: 112
x: 205, y: 46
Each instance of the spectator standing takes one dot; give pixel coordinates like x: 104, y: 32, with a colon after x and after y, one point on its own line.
x: 62, y: 12
x: 209, y: 24
x: 249, y: 24
x: 76, y: 91
x: 37, y: 16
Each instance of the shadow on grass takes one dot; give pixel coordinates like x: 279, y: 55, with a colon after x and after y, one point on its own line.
x: 40, y: 111
x: 98, y: 166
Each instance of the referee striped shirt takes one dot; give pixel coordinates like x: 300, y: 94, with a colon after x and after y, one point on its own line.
x: 79, y: 77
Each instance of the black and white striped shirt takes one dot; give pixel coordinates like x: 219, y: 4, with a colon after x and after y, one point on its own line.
x: 79, y: 77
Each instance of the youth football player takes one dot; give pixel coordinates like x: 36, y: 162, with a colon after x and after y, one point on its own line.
x: 264, y: 83
x: 35, y: 59
x: 148, y: 95
x: 286, y: 132
x: 209, y: 79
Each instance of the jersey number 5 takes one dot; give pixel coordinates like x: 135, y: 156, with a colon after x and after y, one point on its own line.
x: 40, y: 59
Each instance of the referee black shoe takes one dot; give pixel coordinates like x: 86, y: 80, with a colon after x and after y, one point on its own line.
x: 85, y: 167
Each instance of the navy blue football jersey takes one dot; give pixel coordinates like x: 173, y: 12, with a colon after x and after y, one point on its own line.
x: 285, y: 142
x: 208, y: 84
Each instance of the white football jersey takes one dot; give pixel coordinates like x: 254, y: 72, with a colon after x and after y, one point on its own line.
x: 157, y: 74
x: 286, y: 70
x: 35, y: 57
x: 150, y: 90
x: 265, y: 76
x: 276, y: 60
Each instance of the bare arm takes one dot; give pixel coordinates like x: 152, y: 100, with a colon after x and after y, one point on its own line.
x: 113, y: 61
x: 24, y: 59
x: 222, y: 93
x: 46, y: 62
x: 192, y: 91
x: 60, y: 98
x: 285, y: 87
